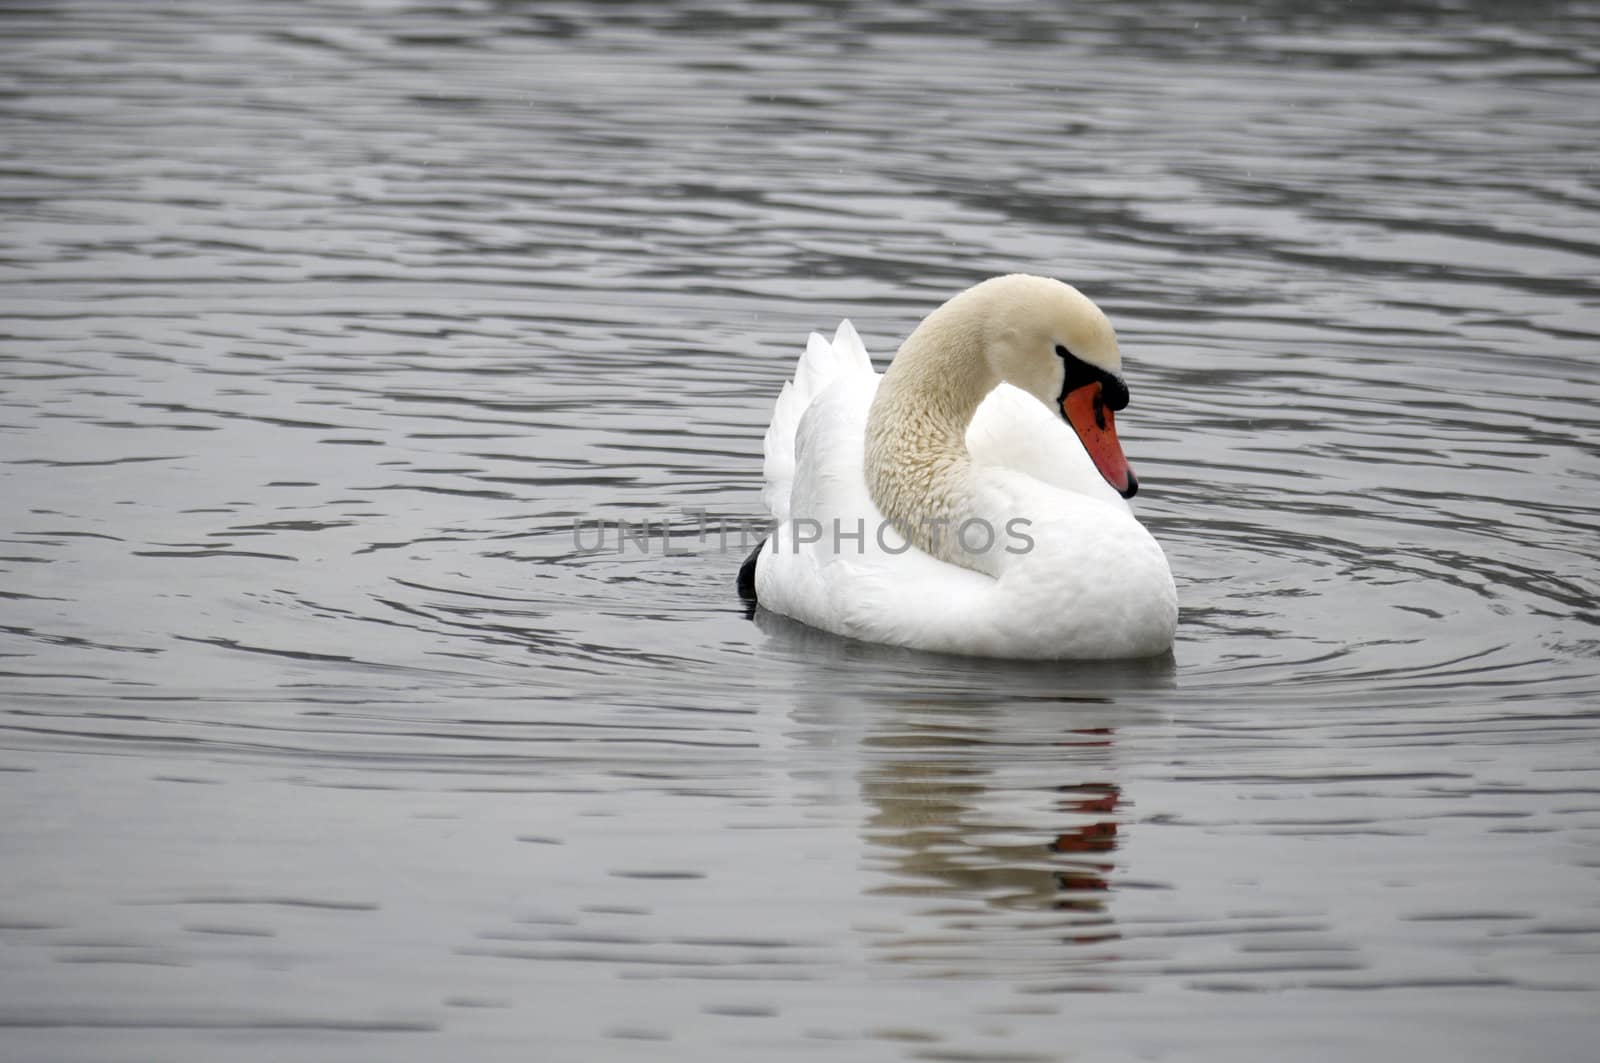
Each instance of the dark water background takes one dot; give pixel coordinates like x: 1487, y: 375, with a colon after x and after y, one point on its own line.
x: 325, y: 322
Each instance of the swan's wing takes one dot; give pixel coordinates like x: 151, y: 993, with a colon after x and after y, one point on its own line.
x: 822, y: 365
x: 1013, y: 430
x: 827, y: 490
x: 836, y: 564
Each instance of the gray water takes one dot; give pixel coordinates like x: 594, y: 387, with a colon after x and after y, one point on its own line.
x: 325, y: 324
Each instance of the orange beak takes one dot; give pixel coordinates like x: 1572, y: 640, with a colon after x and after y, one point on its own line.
x: 1086, y: 411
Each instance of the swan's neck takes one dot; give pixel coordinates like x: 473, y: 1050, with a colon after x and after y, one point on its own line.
x: 918, y: 469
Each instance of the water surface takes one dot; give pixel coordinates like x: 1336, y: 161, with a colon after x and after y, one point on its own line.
x: 321, y: 738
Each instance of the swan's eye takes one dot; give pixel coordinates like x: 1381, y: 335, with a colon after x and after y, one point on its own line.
x: 1113, y: 393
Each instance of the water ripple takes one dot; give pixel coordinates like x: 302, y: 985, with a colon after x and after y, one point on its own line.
x: 335, y: 333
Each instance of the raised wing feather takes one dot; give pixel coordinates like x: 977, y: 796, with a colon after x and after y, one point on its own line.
x: 822, y: 365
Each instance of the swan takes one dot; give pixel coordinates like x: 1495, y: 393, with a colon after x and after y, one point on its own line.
x: 972, y: 499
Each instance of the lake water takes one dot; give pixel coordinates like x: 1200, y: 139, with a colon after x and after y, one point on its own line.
x: 325, y: 324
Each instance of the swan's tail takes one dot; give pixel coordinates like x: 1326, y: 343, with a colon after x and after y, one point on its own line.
x: 819, y: 367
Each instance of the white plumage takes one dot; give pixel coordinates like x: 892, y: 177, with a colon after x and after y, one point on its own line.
x: 1070, y: 572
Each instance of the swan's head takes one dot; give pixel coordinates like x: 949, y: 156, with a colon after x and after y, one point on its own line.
x: 1048, y: 339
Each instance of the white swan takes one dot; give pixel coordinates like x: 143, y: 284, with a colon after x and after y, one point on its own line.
x: 972, y: 499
